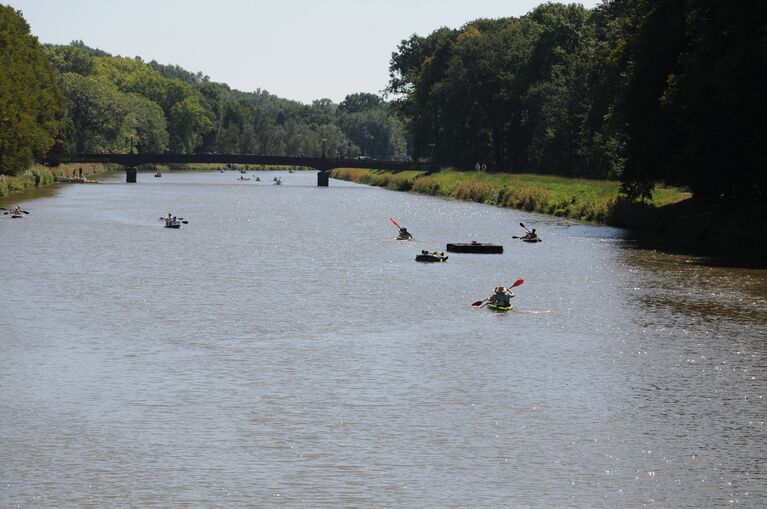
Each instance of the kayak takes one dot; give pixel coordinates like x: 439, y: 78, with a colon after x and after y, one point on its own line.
x: 400, y: 237
x: 158, y: 174
x: 173, y: 225
x: 532, y: 241
x: 431, y: 257
x: 16, y: 216
x: 500, y: 308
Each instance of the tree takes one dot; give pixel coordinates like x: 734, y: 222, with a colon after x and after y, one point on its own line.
x: 31, y: 104
x: 651, y: 56
x: 71, y: 59
x: 355, y: 103
x: 98, y: 112
x: 147, y: 124
x: 717, y: 101
x: 188, y: 122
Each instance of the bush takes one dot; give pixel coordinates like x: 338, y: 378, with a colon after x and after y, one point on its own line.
x: 399, y: 183
x: 427, y: 185
x: 479, y: 192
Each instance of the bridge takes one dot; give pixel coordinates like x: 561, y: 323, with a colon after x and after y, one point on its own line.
x: 323, y: 164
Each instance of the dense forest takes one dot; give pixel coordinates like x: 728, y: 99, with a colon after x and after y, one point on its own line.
x: 644, y: 91
x: 640, y: 90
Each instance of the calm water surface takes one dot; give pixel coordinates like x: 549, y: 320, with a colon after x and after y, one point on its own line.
x: 282, y: 349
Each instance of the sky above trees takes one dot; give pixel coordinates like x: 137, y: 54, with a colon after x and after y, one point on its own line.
x: 296, y: 49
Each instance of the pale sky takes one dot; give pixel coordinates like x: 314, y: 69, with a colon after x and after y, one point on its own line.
x: 296, y: 49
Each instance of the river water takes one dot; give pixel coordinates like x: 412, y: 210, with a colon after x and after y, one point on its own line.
x: 282, y: 349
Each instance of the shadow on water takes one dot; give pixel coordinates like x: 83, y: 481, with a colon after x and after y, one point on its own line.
x: 688, y: 288
x: 722, y: 234
x: 14, y: 199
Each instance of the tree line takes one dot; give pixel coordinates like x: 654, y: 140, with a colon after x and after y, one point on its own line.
x: 76, y: 99
x: 637, y: 90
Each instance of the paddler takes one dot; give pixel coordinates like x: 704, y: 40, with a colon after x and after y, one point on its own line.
x: 403, y: 233
x: 501, y: 296
x: 531, y: 235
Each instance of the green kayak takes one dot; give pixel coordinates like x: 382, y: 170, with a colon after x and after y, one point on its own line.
x: 497, y: 307
x: 400, y: 237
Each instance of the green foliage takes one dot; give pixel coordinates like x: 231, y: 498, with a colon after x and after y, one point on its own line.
x: 640, y: 90
x: 146, y: 124
x: 27, y: 179
x: 374, y: 130
x: 113, y: 101
x: 30, y: 103
x: 71, y: 59
x: 585, y: 199
x: 98, y: 112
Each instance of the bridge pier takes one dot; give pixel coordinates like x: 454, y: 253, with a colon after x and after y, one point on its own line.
x: 323, y: 178
x: 130, y: 175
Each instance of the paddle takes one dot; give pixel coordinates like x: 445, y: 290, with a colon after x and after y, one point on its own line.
x: 398, y: 226
x: 518, y: 282
x: 528, y: 231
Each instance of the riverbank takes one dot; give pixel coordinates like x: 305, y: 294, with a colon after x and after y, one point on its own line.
x: 39, y: 176
x: 596, y: 201
x: 672, y: 220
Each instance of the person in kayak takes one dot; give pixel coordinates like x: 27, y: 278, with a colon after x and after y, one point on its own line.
x: 403, y: 233
x: 501, y: 296
x: 531, y: 235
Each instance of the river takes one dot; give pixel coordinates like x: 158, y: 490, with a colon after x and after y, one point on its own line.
x: 282, y: 349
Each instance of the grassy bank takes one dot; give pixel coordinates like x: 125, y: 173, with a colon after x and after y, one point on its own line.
x: 39, y: 175
x: 587, y: 200
x: 33, y: 177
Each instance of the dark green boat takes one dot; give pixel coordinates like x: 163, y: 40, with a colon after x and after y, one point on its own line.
x: 500, y: 308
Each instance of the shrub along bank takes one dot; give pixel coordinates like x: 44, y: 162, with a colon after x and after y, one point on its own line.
x: 33, y: 177
x: 39, y: 175
x: 583, y: 199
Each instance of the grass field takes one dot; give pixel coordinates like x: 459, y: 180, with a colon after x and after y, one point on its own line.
x: 585, y: 199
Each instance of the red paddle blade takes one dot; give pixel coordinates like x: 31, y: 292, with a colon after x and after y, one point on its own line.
x: 517, y: 283
x: 477, y: 303
x: 395, y: 222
